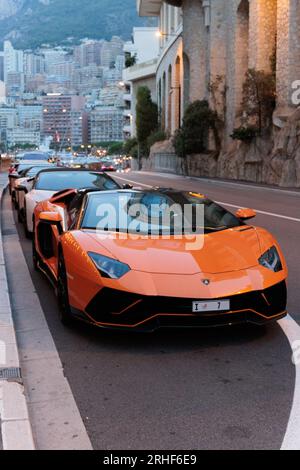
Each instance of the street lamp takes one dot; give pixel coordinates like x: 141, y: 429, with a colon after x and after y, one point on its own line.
x: 160, y: 34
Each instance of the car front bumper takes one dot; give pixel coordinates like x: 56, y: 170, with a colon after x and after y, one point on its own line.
x: 121, y: 310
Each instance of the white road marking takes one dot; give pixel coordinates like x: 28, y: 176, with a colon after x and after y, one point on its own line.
x: 134, y: 182
x: 292, y: 437
x: 270, y: 214
x: 225, y: 183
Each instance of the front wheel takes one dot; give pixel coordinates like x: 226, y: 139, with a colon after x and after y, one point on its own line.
x: 62, y: 293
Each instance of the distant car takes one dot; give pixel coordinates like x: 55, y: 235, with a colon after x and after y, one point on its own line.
x: 35, y: 156
x: 108, y: 166
x: 49, y: 182
x: 151, y: 280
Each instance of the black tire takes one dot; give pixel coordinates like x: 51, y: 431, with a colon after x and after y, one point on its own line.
x: 19, y: 217
x: 28, y: 234
x: 13, y: 198
x: 35, y: 256
x: 62, y: 293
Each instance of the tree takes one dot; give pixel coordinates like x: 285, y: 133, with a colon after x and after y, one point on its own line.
x: 193, y: 136
x: 146, y: 117
x: 115, y: 148
x: 259, y: 98
x: 130, y: 60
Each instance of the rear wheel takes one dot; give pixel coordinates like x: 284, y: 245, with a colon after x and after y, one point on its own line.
x: 62, y: 293
x: 27, y: 233
x: 19, y: 216
x: 35, y: 256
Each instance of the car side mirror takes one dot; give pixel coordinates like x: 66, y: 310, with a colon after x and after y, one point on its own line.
x: 245, y: 214
x: 22, y: 188
x: 52, y: 218
x: 127, y: 186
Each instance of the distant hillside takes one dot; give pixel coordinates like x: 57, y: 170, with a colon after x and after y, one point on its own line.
x: 30, y: 23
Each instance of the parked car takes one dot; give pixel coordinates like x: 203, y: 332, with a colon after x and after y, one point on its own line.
x: 116, y: 276
x: 49, y: 182
x: 16, y: 171
x: 25, y: 180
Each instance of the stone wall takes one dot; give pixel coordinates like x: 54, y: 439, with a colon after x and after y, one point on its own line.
x: 274, y: 159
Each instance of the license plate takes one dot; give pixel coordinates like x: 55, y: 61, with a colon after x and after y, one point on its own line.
x: 211, y: 306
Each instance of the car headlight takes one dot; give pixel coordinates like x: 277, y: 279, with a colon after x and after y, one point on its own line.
x: 271, y: 260
x: 108, y: 267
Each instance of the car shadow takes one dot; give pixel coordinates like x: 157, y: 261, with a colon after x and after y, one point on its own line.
x: 171, y: 340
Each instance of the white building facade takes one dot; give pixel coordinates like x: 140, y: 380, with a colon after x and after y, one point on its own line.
x: 205, y: 41
x: 144, y: 49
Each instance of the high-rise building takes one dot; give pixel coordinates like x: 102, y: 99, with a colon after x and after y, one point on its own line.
x: 54, y: 56
x: 15, y: 85
x: 13, y: 60
x: 8, y: 117
x: 21, y: 135
x: 110, y: 51
x: 1, y: 66
x: 106, y: 124
x: 30, y: 116
x: 34, y: 64
x: 88, y: 53
x: 62, y: 118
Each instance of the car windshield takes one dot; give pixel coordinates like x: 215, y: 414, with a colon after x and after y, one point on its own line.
x: 60, y: 180
x: 31, y: 172
x: 157, y: 213
x: 23, y: 167
x: 36, y: 156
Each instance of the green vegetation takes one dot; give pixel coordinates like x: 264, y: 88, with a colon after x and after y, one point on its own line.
x: 146, y: 118
x: 54, y: 21
x: 24, y: 146
x: 115, y: 148
x: 193, y: 136
x: 130, y: 60
x: 131, y: 147
x: 244, y: 134
x: 156, y: 136
x: 259, y: 99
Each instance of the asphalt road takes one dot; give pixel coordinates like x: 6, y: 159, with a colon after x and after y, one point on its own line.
x: 229, y: 388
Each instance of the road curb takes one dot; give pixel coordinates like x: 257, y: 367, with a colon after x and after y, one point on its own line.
x: 14, y: 416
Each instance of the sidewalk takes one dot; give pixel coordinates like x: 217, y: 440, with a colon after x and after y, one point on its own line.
x: 14, y: 419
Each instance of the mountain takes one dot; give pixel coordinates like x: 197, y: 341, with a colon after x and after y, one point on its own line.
x: 30, y: 23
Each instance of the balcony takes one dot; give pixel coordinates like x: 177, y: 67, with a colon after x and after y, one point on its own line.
x: 142, y: 70
x: 127, y: 97
x: 127, y: 129
x: 149, y: 7
x: 152, y: 7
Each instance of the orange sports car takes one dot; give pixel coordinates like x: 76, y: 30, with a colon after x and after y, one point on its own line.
x: 145, y: 259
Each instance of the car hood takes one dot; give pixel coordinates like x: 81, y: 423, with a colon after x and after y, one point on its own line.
x: 231, y: 250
